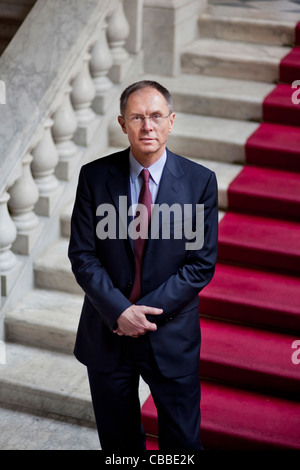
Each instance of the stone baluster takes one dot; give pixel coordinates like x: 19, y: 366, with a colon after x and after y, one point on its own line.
x: 45, y: 160
x: 24, y: 194
x: 8, y: 233
x: 63, y: 130
x: 100, y: 63
x: 82, y: 95
x: 117, y: 33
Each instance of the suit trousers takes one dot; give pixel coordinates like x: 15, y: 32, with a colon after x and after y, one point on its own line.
x: 116, y: 404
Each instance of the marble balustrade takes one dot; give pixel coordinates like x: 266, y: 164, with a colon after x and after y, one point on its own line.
x: 58, y: 92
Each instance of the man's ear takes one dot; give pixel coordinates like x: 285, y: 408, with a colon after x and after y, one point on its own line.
x: 172, y: 119
x: 121, y: 121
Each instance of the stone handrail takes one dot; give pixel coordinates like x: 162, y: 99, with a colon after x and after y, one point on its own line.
x: 60, y: 71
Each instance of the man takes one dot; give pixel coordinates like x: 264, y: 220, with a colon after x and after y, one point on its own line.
x: 140, y: 313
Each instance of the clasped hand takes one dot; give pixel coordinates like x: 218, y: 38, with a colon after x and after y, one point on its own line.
x: 133, y: 321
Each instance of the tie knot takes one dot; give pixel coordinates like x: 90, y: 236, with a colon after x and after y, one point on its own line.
x: 145, y: 175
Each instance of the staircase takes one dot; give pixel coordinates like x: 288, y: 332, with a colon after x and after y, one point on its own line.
x: 250, y: 312
x: 235, y: 115
x: 12, y: 14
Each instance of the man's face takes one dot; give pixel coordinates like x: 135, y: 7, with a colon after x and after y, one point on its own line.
x: 147, y: 138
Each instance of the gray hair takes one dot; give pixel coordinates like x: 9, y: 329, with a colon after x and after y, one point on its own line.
x: 141, y: 85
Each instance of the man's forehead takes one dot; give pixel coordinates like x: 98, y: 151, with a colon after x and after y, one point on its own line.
x: 146, y: 97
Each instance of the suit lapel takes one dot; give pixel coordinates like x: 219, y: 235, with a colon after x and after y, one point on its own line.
x: 170, y: 185
x: 118, y: 186
x: 169, y: 193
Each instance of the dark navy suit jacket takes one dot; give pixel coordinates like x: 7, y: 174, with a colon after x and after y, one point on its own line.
x: 172, y: 276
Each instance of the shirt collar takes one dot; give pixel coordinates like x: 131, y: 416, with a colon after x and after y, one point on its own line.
x: 155, y: 170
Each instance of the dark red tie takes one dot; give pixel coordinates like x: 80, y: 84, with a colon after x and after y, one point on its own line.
x: 139, y: 244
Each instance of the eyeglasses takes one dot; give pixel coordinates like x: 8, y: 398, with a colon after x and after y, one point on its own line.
x: 138, y: 119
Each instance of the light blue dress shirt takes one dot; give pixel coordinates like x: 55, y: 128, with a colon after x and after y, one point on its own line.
x: 136, y: 181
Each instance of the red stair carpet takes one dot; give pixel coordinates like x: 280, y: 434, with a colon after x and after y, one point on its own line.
x: 250, y: 312
x: 278, y: 106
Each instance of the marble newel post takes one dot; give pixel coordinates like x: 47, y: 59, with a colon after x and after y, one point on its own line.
x: 168, y: 26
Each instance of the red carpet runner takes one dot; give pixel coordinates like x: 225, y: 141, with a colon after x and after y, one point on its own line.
x: 251, y: 310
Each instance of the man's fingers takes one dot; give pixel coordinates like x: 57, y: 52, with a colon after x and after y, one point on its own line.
x: 119, y: 332
x: 151, y: 310
x: 151, y: 326
x: 133, y: 321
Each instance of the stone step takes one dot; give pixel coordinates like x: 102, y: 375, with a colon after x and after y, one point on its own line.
x: 201, y: 137
x: 241, y: 27
x: 24, y: 430
x: 238, y: 419
x: 53, y: 269
x: 228, y: 356
x: 260, y: 298
x: 210, y: 138
x: 279, y: 11
x: 45, y: 319
x: 266, y: 191
x: 226, y: 174
x: 47, y: 381
x: 44, y: 395
x: 217, y: 96
x: 239, y: 60
x: 260, y: 241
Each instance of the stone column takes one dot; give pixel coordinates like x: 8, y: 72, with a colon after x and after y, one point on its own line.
x: 168, y: 26
x: 24, y: 194
x: 45, y: 159
x: 82, y: 96
x: 63, y: 130
x: 8, y: 233
x: 100, y: 64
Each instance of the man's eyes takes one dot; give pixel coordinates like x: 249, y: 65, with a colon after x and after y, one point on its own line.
x: 141, y: 117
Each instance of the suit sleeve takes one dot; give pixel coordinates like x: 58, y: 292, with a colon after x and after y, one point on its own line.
x: 90, y: 274
x: 180, y: 289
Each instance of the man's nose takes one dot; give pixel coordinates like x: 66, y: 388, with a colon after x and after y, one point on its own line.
x: 147, y: 123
